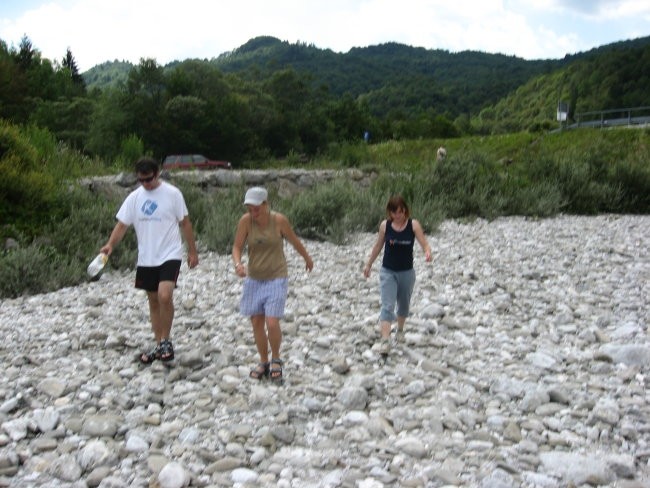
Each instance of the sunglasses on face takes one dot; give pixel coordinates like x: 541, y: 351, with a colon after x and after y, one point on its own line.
x: 147, y: 179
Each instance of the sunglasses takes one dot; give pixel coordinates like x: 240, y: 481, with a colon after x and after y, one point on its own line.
x: 148, y: 179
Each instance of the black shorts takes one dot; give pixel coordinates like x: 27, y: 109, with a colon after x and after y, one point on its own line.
x: 148, y: 277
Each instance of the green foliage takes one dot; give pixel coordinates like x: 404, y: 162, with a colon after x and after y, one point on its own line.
x: 214, y: 215
x: 609, y: 78
x: 67, y: 119
x: 465, y: 185
x: 35, y: 269
x: 64, y: 224
x: 34, y: 169
x: 348, y: 155
x: 270, y: 99
x: 392, y: 76
x: 26, y: 192
x: 131, y: 149
x: 43, y: 141
x: 330, y: 212
x: 59, y: 256
x: 94, y: 212
x: 107, y: 75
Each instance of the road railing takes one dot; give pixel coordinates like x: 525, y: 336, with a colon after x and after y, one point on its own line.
x: 617, y: 116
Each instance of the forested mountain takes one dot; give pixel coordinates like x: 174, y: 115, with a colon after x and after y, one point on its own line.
x: 387, y: 77
x: 270, y: 98
x: 394, y: 77
x: 615, y: 77
x: 107, y: 74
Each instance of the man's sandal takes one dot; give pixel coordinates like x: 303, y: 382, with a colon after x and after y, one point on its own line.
x: 275, y: 372
x: 260, y: 371
x: 151, y: 356
x: 166, y: 350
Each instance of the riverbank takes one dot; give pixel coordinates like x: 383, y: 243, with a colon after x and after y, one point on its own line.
x: 525, y: 363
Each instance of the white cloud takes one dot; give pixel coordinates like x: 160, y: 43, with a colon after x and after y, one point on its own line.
x: 97, y: 30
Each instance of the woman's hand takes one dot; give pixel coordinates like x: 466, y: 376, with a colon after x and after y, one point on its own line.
x: 240, y: 270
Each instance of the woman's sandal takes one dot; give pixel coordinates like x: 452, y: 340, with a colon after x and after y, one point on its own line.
x: 151, y: 356
x: 166, y: 350
x: 260, y: 371
x: 275, y: 373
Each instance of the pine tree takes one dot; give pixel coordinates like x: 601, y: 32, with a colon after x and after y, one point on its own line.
x: 70, y: 63
x: 25, y: 54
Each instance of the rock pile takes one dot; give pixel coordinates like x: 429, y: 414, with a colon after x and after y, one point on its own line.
x: 526, y: 362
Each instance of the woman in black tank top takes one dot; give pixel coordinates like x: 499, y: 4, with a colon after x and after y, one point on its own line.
x: 397, y: 235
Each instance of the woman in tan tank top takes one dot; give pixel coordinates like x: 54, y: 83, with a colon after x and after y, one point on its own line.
x: 266, y: 277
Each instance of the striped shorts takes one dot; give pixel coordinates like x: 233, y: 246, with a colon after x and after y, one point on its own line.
x: 264, y: 297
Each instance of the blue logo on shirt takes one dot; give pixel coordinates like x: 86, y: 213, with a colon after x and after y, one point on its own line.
x: 149, y: 207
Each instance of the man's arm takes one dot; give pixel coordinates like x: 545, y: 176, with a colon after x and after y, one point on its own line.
x: 188, y: 235
x: 116, y: 236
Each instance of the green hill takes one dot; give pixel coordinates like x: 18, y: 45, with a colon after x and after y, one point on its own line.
x: 509, y: 93
x: 608, y: 78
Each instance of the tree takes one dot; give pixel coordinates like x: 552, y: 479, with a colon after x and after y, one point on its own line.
x: 70, y: 63
x: 144, y: 102
x: 12, y: 86
x: 26, y: 54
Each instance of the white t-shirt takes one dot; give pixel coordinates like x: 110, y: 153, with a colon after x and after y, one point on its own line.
x: 155, y: 216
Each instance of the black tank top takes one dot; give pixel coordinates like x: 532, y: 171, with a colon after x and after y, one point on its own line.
x: 398, y: 247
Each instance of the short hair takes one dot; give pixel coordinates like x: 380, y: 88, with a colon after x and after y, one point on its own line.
x: 146, y: 165
x: 396, y: 202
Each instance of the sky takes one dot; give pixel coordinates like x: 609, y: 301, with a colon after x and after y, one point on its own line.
x: 96, y: 31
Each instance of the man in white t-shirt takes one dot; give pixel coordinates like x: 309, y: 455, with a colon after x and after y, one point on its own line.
x: 157, y: 212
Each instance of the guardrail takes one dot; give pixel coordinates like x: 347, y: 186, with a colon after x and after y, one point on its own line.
x: 613, y: 117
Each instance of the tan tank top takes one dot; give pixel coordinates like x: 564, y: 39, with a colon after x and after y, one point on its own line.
x: 266, y: 259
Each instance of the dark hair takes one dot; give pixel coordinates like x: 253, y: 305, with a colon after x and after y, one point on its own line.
x: 396, y: 202
x: 146, y: 165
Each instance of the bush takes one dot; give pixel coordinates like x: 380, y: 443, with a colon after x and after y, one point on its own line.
x: 348, y: 155
x: 85, y: 225
x: 36, y: 269
x: 27, y: 193
x: 466, y: 185
x: 586, y: 190
x: 60, y: 254
x: 214, y: 215
x: 131, y: 149
x: 634, y: 182
x: 331, y: 211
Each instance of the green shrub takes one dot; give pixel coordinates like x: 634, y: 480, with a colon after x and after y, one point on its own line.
x: 36, y: 269
x: 85, y: 225
x: 348, y: 155
x: 331, y: 211
x: 634, y: 182
x: 27, y: 192
x: 214, y: 215
x: 467, y: 185
x: 131, y: 149
x: 585, y: 189
x: 42, y: 140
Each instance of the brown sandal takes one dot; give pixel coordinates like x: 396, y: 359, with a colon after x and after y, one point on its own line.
x: 151, y: 356
x: 275, y: 372
x: 166, y: 350
x: 260, y: 371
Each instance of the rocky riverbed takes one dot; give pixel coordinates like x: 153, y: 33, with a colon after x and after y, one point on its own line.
x: 526, y: 362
